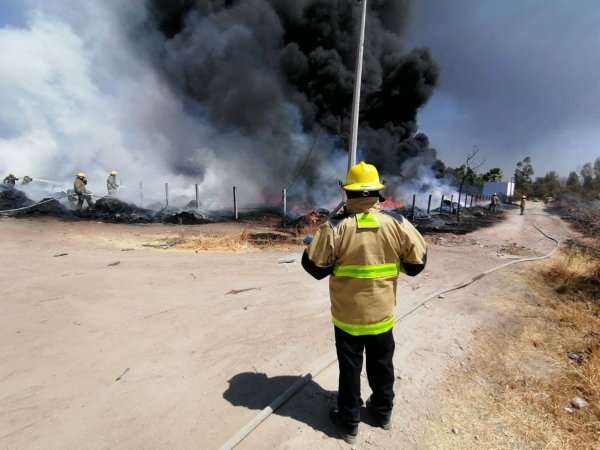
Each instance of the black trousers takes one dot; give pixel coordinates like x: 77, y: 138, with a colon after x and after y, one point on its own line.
x: 379, y: 350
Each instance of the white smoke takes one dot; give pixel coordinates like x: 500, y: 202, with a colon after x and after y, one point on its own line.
x: 77, y: 97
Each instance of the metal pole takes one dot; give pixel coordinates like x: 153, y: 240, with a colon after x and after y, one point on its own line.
x: 442, y: 204
x: 451, y: 200
x: 235, y: 209
x: 141, y: 195
x: 412, y: 214
x: 466, y: 196
x: 429, y: 205
x: 167, y: 192
x: 197, y: 198
x: 357, y: 82
x: 284, y: 193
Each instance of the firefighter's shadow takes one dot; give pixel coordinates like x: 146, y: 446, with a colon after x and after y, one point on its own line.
x: 310, y: 405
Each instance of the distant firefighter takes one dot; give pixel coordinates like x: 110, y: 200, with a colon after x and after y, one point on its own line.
x: 522, y: 204
x: 81, y: 192
x: 10, y: 179
x: 26, y: 179
x: 112, y: 184
x: 494, y: 202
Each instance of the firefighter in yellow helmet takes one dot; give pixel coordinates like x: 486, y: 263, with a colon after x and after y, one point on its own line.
x: 522, y: 204
x: 494, y: 202
x: 10, y: 180
x: 79, y: 185
x: 112, y: 184
x: 363, y: 251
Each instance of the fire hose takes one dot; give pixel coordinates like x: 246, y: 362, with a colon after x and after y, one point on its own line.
x: 24, y: 208
x: 234, y: 440
x: 8, y: 212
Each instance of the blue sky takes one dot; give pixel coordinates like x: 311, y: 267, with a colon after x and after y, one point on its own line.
x: 11, y: 14
x: 519, y: 78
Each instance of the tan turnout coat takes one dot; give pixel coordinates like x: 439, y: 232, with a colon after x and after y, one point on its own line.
x: 363, y: 284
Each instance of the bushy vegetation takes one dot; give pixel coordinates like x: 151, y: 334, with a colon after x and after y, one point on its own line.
x: 583, y: 183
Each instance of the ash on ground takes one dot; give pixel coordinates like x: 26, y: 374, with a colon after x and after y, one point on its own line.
x: 14, y: 202
x: 113, y: 210
x: 470, y: 219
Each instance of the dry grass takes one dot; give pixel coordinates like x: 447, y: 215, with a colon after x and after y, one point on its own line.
x: 242, y: 241
x: 517, y: 392
x: 237, y: 242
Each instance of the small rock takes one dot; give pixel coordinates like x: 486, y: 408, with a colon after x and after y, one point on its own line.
x: 576, y: 357
x: 441, y: 296
x: 116, y: 263
x: 569, y: 410
x: 579, y: 402
x: 455, y: 430
x: 60, y: 254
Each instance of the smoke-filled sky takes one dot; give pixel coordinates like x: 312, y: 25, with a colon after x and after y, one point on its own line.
x: 253, y: 93
x: 241, y: 92
x: 518, y: 78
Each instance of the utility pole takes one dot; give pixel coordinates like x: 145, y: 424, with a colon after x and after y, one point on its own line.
x: 357, y: 83
x: 356, y: 97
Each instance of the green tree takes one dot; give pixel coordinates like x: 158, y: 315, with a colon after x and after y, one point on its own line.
x: 548, y: 185
x: 465, y: 174
x: 573, y: 182
x: 597, y: 174
x: 587, y: 175
x: 494, y: 174
x: 523, y: 177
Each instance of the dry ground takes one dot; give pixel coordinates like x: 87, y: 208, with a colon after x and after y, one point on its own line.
x: 202, y: 341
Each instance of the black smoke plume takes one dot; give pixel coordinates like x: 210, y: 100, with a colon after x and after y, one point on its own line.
x: 261, y: 68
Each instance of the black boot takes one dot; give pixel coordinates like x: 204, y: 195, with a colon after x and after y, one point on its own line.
x: 348, y: 432
x: 382, y: 421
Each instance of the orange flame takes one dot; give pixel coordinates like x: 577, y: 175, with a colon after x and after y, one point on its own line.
x: 391, y: 203
x: 313, y: 218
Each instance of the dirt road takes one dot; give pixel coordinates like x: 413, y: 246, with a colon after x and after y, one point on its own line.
x: 201, y: 342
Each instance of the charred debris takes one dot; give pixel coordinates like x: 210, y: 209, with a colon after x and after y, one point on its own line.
x: 15, y: 203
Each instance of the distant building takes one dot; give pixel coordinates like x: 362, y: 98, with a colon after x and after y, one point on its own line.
x: 503, y: 188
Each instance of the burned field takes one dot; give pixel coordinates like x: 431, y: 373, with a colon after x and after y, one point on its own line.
x: 15, y: 203
x: 471, y: 219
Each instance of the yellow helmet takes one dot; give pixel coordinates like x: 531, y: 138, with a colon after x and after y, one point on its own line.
x: 80, y: 175
x: 363, y: 177
x: 524, y: 196
x: 114, y: 172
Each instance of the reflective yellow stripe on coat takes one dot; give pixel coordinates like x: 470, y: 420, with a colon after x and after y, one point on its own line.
x: 367, y: 220
x: 368, y: 271
x: 361, y: 330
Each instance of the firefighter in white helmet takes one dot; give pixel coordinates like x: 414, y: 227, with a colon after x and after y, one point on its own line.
x: 79, y: 185
x: 494, y: 202
x: 363, y: 251
x: 112, y: 184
